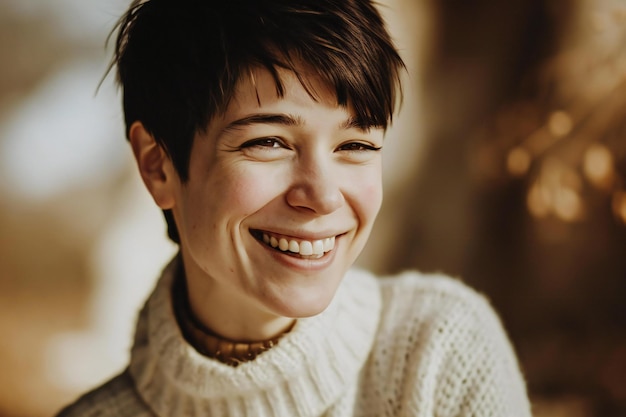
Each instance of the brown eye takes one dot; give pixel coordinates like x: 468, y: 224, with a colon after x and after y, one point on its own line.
x: 358, y: 147
x: 265, y: 149
x: 270, y: 142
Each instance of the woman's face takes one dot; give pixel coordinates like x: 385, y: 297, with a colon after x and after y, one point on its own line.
x: 281, y: 197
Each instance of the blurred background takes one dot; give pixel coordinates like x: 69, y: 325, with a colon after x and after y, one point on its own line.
x: 506, y: 168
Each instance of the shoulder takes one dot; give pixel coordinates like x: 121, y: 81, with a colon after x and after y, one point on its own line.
x: 415, y: 302
x: 432, y: 297
x: 442, y: 341
x: 115, y: 398
x: 437, y: 311
x: 432, y: 284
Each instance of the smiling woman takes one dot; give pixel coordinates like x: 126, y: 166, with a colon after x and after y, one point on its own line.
x: 257, y: 127
x: 284, y: 167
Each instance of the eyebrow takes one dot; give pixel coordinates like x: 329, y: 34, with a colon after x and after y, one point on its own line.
x: 266, y: 118
x: 353, y: 123
x: 290, y: 120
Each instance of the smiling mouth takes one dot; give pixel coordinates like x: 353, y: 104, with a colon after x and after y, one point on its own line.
x: 306, y: 249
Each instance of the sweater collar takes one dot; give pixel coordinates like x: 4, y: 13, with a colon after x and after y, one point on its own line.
x: 312, y: 367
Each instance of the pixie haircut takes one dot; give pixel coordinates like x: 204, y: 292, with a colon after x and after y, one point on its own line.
x: 179, y: 61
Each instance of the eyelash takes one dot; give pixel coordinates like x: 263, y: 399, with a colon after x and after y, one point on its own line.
x: 362, y: 147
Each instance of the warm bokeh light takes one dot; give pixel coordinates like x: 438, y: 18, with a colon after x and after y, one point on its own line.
x: 557, y: 193
x: 518, y: 161
x: 539, y: 200
x: 598, y: 165
x: 567, y: 204
x: 619, y: 205
x: 560, y: 123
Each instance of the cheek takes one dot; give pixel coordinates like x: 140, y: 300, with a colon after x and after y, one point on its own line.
x: 373, y: 199
x: 367, y: 192
x: 247, y: 193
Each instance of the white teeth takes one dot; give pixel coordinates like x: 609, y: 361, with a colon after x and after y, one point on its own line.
x: 318, y: 247
x: 306, y: 248
x: 315, y: 248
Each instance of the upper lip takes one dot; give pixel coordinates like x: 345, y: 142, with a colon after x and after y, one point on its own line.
x: 300, y: 235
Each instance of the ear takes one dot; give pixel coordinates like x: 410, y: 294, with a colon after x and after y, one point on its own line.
x: 155, y: 166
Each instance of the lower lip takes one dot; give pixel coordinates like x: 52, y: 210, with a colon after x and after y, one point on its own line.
x: 301, y: 263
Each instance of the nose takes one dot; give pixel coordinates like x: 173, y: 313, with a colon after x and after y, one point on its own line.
x: 315, y: 188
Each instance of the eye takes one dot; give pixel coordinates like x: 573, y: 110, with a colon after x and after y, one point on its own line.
x: 358, y: 147
x: 265, y: 149
x: 267, y: 143
x: 358, y: 152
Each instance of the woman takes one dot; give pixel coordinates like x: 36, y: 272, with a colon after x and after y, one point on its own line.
x: 258, y: 126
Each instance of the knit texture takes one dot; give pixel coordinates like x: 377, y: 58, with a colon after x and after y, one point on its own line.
x: 411, y: 345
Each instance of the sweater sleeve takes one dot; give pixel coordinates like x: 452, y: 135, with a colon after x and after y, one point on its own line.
x: 452, y: 355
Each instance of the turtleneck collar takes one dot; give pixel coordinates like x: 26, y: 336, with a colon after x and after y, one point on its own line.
x: 312, y: 368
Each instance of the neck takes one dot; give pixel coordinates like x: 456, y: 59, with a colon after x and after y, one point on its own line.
x: 229, y: 315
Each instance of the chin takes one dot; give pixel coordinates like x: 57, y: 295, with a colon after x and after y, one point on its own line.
x: 304, y: 303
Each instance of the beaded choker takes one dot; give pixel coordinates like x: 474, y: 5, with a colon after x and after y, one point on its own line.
x: 208, y: 342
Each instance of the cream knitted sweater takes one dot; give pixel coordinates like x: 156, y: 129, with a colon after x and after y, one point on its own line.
x: 411, y: 345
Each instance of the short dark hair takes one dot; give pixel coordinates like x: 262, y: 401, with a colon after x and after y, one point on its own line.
x: 179, y: 61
